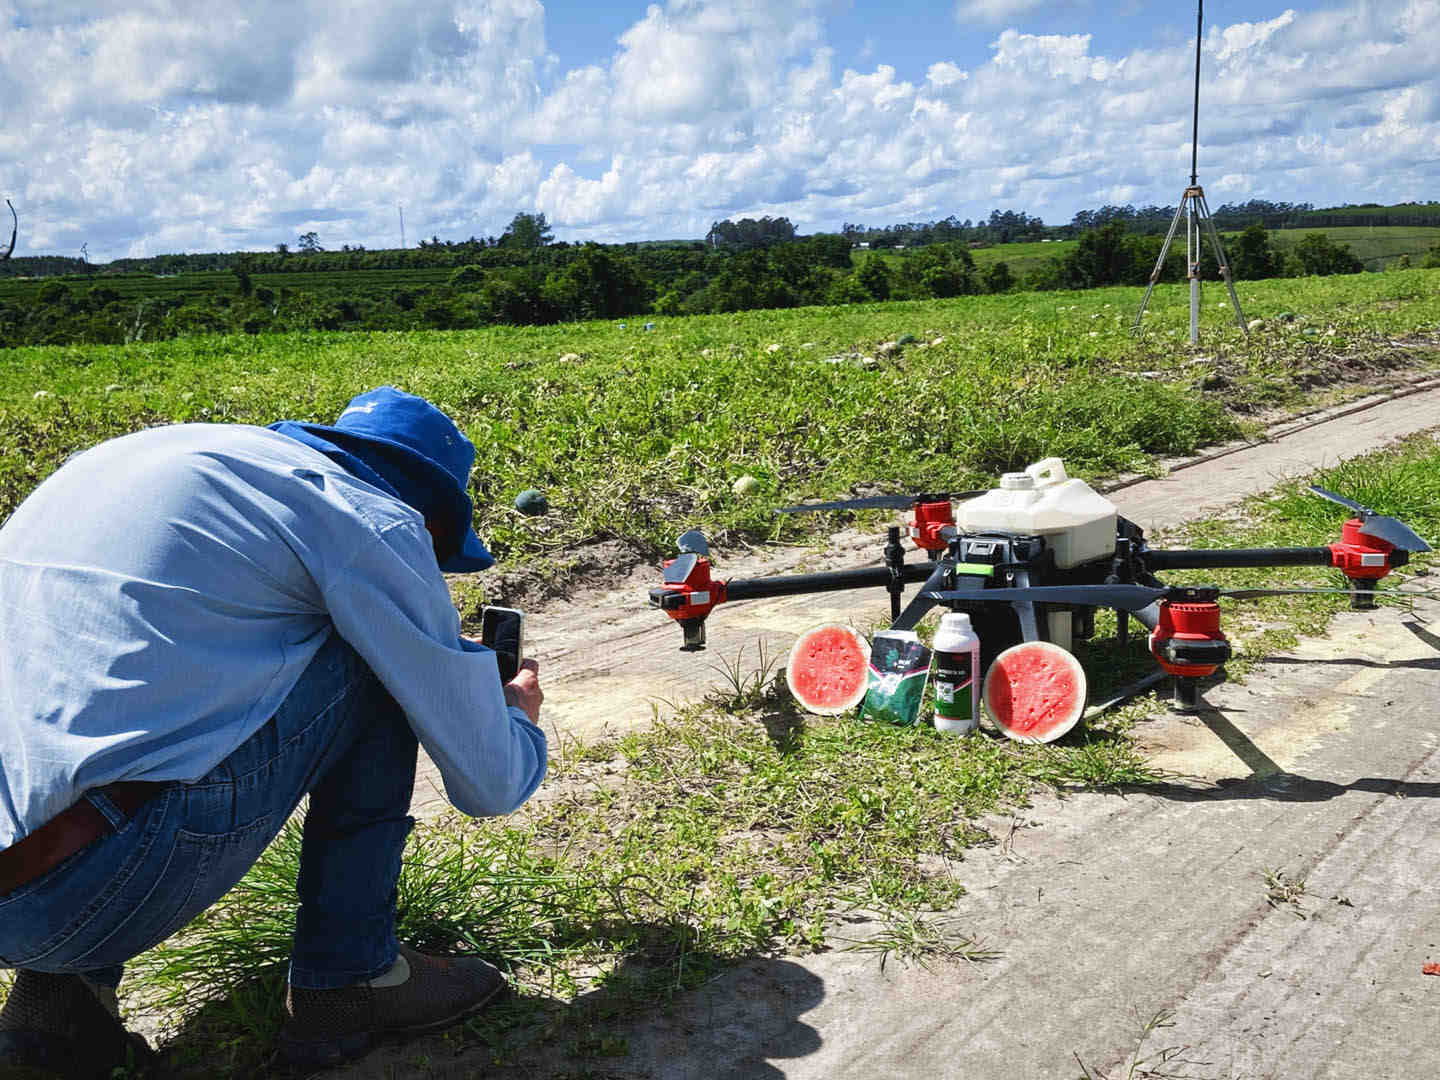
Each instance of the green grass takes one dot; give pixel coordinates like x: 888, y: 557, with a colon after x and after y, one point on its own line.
x: 1377, y: 247
x: 636, y: 435
x: 649, y: 865
x: 1402, y: 482
x: 730, y: 828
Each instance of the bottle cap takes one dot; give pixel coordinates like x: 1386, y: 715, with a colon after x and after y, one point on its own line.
x: 958, y: 621
x: 1017, y: 481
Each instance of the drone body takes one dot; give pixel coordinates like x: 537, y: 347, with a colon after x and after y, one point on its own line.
x: 1033, y: 559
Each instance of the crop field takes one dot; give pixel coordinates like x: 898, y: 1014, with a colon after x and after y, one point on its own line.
x: 1021, y: 258
x: 635, y: 433
x: 642, y: 871
x: 355, y: 283
x: 1377, y: 248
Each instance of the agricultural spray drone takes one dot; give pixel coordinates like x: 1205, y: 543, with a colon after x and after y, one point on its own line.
x: 1032, y: 560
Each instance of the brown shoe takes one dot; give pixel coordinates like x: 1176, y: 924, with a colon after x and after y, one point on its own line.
x: 327, y: 1027
x: 56, y: 1027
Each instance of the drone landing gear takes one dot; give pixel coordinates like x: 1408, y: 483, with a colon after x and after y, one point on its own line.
x: 1362, y: 595
x: 1187, y: 694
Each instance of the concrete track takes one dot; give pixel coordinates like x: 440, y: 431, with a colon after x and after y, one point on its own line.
x: 1273, y: 906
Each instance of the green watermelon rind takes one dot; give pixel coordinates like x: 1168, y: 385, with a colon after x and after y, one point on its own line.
x: 860, y: 674
x: 1073, y: 714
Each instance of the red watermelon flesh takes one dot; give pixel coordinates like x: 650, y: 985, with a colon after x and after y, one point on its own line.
x: 827, y: 669
x: 1035, y: 692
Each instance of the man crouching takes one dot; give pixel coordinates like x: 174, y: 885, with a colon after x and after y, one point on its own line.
x: 203, y: 624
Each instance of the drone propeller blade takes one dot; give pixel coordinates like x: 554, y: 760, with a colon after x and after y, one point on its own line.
x: 874, y: 502
x: 1393, y: 531
x: 1128, y: 597
x: 883, y: 502
x: 677, y: 570
x: 1377, y: 526
x: 693, y: 543
x: 1349, y: 504
x: 1257, y: 594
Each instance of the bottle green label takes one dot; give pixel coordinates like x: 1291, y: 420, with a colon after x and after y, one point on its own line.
x: 954, y: 672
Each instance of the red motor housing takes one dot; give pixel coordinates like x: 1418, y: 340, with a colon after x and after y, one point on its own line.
x: 926, y: 520
x: 1187, y: 639
x: 687, y: 595
x: 1360, y: 558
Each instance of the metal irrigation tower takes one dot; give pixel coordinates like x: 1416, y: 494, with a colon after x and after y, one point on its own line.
x: 1196, y: 213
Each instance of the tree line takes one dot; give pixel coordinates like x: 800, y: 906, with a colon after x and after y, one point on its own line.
x: 1012, y: 226
x: 742, y: 265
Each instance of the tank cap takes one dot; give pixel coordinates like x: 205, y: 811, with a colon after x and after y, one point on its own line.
x: 1017, y: 481
x: 958, y: 621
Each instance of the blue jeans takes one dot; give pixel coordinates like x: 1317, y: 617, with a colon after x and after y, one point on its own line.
x: 338, y: 737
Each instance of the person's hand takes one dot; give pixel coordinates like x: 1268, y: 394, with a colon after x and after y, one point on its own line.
x: 524, y: 690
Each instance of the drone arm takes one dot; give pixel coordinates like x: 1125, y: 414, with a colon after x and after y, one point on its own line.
x: 1233, y: 557
x: 832, y: 581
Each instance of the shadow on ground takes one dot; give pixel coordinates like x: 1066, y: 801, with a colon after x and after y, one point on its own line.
x: 731, y: 1013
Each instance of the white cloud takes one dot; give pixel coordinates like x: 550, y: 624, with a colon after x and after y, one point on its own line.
x: 945, y: 74
x: 997, y: 11
x: 1228, y: 42
x: 149, y: 127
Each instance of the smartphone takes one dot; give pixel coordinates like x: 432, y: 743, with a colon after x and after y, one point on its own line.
x: 503, y: 629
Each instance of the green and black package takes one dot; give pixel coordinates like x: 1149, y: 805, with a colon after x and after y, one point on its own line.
x: 895, y: 683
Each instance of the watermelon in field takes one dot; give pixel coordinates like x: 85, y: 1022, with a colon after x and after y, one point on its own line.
x: 827, y: 669
x: 1035, y: 692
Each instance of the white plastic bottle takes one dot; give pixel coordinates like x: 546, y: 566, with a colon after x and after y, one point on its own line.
x: 957, y: 674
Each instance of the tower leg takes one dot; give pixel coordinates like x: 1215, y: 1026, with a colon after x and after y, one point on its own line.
x: 1196, y: 213
x: 1220, y: 261
x: 1159, y: 265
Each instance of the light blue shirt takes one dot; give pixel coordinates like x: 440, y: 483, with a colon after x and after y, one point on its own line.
x: 162, y: 593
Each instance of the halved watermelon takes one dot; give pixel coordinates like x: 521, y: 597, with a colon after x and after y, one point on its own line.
x: 1035, y: 692
x: 827, y: 669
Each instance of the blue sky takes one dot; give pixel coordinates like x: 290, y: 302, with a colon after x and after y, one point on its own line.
x: 139, y: 127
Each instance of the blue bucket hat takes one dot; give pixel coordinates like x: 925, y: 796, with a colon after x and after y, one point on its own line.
x: 415, y: 452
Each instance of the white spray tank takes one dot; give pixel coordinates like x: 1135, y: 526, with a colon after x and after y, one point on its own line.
x: 1076, y: 521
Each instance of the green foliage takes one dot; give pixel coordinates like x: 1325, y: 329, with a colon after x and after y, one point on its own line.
x: 1104, y: 256
x: 1318, y: 254
x: 526, y: 232
x: 1432, y: 258
x: 848, y: 290
x: 478, y: 282
x: 650, y: 430
x: 1252, y: 256
x: 939, y: 271
x: 467, y: 277
x: 244, y: 283
x: 52, y: 294
x: 997, y: 278
x: 874, y: 277
x: 597, y: 285
x: 748, y: 234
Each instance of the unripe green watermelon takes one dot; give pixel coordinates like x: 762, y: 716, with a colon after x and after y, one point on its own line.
x: 532, y: 502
